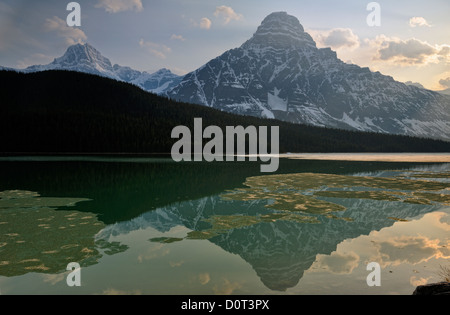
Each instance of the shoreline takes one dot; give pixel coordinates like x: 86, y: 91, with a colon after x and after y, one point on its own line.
x: 372, y: 157
x: 356, y: 157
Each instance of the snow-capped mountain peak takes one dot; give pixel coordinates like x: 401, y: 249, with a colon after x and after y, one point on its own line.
x: 83, y: 53
x: 157, y: 82
x: 81, y: 58
x: 85, y: 58
x: 280, y: 73
x: 281, y: 30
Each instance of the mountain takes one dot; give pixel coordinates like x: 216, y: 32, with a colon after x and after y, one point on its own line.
x: 67, y: 111
x: 158, y: 82
x: 417, y: 84
x: 85, y: 58
x: 280, y: 73
x: 445, y: 92
x: 81, y: 58
x: 6, y: 69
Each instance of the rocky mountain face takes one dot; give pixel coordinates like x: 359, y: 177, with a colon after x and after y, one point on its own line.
x: 280, y: 73
x: 85, y: 58
x: 158, y: 82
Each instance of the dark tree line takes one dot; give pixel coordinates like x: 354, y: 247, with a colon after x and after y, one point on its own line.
x: 62, y: 111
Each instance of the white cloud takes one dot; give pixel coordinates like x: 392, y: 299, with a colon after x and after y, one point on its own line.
x: 72, y: 35
x: 408, y: 249
x: 337, y: 263
x: 336, y: 38
x: 204, y: 23
x: 410, y: 52
x: 115, y: 6
x: 228, y: 14
x: 158, y: 50
x: 177, y: 37
x: 418, y: 21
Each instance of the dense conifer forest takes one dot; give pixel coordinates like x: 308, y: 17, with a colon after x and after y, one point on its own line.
x: 70, y: 112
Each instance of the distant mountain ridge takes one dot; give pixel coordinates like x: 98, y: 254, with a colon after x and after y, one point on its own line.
x: 85, y: 58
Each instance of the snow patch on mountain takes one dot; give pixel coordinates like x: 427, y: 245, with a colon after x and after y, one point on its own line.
x: 275, y: 102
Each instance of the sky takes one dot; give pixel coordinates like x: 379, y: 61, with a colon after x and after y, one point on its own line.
x: 412, y: 42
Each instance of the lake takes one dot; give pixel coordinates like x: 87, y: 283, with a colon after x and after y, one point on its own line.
x: 140, y: 225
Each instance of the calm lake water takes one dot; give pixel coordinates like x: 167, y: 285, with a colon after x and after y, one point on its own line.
x: 153, y: 226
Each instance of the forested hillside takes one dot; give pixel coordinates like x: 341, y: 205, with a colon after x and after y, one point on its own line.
x: 71, y: 112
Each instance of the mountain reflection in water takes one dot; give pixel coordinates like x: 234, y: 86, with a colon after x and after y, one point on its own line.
x: 280, y: 224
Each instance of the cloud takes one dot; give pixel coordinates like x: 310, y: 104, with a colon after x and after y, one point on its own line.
x: 115, y: 6
x: 54, y: 279
x: 410, y: 52
x: 158, y: 50
x: 204, y: 23
x: 72, y: 35
x: 416, y: 84
x: 444, y: 51
x: 226, y: 288
x: 409, y: 249
x: 34, y: 59
x: 418, y: 21
x: 228, y: 14
x: 177, y: 37
x: 415, y: 282
x: 204, y: 278
x: 156, y: 251
x: 338, y: 263
x: 336, y: 38
x: 445, y: 82
x: 174, y: 264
